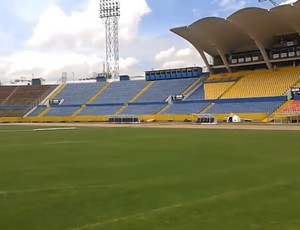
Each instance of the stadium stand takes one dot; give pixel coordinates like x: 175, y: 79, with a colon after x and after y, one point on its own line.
x: 80, y: 93
x: 198, y: 94
x: 23, y: 95
x: 38, y: 110
x: 100, y: 109
x: 143, y: 108
x: 264, y: 84
x: 120, y: 92
x: 247, y: 105
x: 162, y: 89
x: 293, y: 107
x: 186, y: 107
x: 215, y: 90
x: 16, y: 101
x: 62, y: 111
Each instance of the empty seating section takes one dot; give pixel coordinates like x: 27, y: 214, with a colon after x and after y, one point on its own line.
x: 120, y: 92
x: 37, y: 111
x: 263, y: 105
x: 62, y: 111
x: 74, y: 94
x: 265, y: 84
x: 5, y: 92
x: 13, y: 111
x: 100, y: 110
x: 198, y: 94
x: 215, y: 90
x: 161, y: 90
x: 20, y: 99
x: 293, y: 107
x: 143, y: 108
x: 24, y: 95
x: 186, y: 107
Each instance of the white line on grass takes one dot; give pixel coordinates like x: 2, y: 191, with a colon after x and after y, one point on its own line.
x: 46, y: 143
x: 179, y: 205
x: 55, y: 129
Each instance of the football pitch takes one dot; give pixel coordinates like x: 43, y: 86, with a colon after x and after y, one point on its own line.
x: 148, y: 178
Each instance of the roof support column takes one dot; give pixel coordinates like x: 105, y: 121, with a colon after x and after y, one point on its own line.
x: 224, y: 59
x: 264, y: 54
x: 202, y: 54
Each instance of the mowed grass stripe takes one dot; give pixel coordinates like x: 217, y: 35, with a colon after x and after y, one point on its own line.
x: 232, y: 195
x: 115, y: 173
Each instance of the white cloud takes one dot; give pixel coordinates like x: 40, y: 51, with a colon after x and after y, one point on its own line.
x: 229, y: 5
x: 226, y: 3
x: 288, y: 2
x: 165, y: 54
x: 183, y: 52
x: 73, y: 42
x: 126, y: 63
x: 178, y: 58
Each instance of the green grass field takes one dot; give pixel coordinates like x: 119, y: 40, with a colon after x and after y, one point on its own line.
x: 136, y: 178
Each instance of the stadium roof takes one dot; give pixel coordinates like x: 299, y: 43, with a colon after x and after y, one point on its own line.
x: 245, y: 30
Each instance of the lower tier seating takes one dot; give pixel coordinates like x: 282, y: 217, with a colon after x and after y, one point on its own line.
x: 100, y: 110
x: 62, y: 111
x: 143, y: 108
x: 249, y: 105
x: 186, y: 107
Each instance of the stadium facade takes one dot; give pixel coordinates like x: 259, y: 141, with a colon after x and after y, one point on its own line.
x: 250, y: 38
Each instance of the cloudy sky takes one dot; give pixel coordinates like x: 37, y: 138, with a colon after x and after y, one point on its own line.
x: 47, y: 37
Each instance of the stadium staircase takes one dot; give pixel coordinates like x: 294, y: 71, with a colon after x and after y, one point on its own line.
x: 92, y: 99
x: 57, y: 91
x: 121, y: 110
x: 78, y: 111
x: 228, y: 89
x: 44, y: 112
x: 216, y: 90
x: 203, y: 111
x: 141, y: 92
x: 192, y: 86
x: 279, y: 110
x: 9, y: 96
x: 163, y: 109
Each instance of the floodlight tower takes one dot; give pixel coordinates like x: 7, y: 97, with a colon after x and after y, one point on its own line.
x: 272, y: 1
x: 110, y: 14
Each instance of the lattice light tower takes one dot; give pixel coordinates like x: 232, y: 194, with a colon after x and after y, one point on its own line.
x: 110, y: 14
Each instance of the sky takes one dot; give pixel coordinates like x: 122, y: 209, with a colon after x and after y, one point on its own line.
x: 43, y: 38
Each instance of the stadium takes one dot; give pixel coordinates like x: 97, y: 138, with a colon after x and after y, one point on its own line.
x: 154, y: 153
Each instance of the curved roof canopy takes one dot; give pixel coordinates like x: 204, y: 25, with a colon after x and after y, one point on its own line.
x: 243, y: 30
x: 289, y: 14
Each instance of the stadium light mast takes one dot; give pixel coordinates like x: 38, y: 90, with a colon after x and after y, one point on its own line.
x: 272, y: 1
x: 110, y: 14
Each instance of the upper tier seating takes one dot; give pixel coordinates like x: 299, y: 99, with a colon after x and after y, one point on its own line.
x: 215, y: 90
x: 161, y: 90
x: 24, y: 95
x: 120, y: 92
x: 74, y: 94
x: 18, y: 100
x: 264, y: 84
x: 198, y: 94
x: 247, y: 105
x: 186, y: 107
